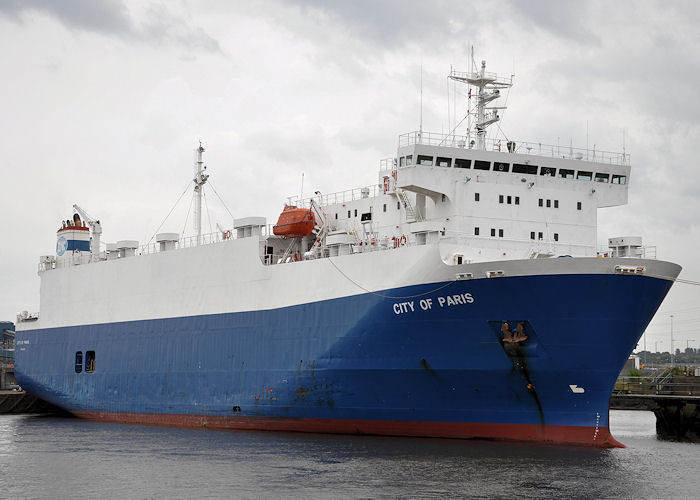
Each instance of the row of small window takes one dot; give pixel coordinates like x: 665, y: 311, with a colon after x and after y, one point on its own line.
x: 540, y: 236
x: 89, y: 361
x: 508, y: 199
x: 549, y: 203
x: 493, y: 232
x: 517, y: 168
x: 365, y: 217
x: 500, y: 234
x: 439, y: 161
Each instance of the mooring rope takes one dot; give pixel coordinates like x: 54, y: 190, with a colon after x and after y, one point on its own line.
x: 676, y: 280
x: 389, y: 296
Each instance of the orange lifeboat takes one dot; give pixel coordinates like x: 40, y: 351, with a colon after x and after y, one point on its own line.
x: 295, y: 222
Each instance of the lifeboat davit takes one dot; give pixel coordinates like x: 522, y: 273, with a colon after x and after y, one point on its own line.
x: 295, y: 222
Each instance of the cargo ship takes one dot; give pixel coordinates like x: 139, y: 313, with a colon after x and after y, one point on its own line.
x: 463, y: 295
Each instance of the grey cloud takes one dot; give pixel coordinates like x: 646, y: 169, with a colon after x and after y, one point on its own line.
x: 625, y: 78
x: 290, y: 146
x: 111, y: 17
x: 162, y: 25
x: 564, y: 19
x: 107, y: 16
x: 392, y: 23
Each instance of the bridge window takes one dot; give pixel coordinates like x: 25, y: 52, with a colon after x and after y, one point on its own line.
x: 520, y: 168
x: 336, y: 216
x: 578, y: 205
x: 500, y: 233
x: 482, y: 165
x: 602, y: 177
x: 548, y: 171
x: 349, y: 214
x: 532, y: 235
x: 402, y: 161
x: 517, y: 200
x: 409, y: 160
x: 443, y: 162
x: 493, y: 232
x: 539, y: 236
x: 355, y: 212
x: 584, y: 176
x: 556, y: 203
x: 556, y: 236
x: 89, y: 361
x: 549, y: 203
x: 398, y: 206
x: 541, y: 202
x: 461, y: 163
x: 501, y: 167
x: 384, y: 209
x: 566, y: 174
x: 425, y: 160
x: 476, y: 196
x: 476, y: 231
x: 509, y: 200
x: 78, y: 361
x: 619, y: 179
x: 500, y: 198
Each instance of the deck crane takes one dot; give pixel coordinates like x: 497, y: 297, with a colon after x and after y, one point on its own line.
x: 95, y: 229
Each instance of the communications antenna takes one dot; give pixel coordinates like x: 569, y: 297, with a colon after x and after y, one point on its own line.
x: 200, y: 178
x: 488, y: 88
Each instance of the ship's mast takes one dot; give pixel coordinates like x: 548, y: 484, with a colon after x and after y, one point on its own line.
x: 200, y: 178
x: 488, y: 86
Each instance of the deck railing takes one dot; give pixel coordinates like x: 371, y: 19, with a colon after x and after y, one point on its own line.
x: 520, y: 147
x: 338, y: 197
x: 647, y: 252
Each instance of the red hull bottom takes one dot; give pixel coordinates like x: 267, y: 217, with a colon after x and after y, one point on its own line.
x: 550, y: 434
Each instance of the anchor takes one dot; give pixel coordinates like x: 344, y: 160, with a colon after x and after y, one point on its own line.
x: 513, y: 337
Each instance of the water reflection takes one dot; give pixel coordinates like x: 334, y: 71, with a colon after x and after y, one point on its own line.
x: 56, y: 455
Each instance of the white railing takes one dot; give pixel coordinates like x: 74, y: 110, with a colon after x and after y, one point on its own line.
x: 335, y: 198
x: 387, y: 164
x: 150, y: 248
x: 205, y: 239
x: 74, y: 260
x: 487, y: 75
x: 648, y: 252
x: 529, y: 148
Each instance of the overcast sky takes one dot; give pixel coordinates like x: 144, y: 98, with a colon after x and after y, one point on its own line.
x: 103, y: 102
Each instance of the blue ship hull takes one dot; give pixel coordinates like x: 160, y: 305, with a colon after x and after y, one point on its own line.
x: 424, y: 366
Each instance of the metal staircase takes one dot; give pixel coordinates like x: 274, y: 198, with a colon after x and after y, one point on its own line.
x: 293, y: 244
x: 321, y: 228
x: 410, y: 212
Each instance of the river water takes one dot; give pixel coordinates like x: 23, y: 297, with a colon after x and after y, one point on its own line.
x: 54, y: 457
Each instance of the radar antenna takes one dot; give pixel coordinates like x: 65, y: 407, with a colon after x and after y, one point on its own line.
x: 489, y: 87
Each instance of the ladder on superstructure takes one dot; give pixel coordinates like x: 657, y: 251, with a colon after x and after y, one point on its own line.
x: 321, y: 228
x: 288, y: 252
x: 410, y: 211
